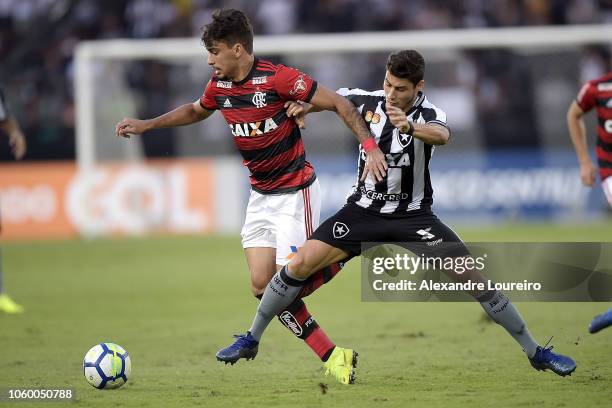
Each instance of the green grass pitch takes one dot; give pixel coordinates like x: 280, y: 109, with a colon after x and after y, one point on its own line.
x: 173, y: 301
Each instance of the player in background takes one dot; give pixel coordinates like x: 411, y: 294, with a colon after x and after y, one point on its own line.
x: 284, y: 204
x: 594, y: 94
x: 10, y: 128
x: 406, y: 127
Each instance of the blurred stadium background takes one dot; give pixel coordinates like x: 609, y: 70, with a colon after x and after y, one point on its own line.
x: 509, y: 174
x: 510, y: 158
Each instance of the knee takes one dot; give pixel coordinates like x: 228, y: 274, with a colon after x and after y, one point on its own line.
x: 300, y: 267
x: 258, y: 286
x: 257, y: 291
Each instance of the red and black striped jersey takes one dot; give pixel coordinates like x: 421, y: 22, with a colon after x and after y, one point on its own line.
x: 270, y: 143
x: 598, y: 94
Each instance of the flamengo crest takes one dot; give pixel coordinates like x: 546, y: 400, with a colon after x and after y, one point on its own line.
x: 259, y: 99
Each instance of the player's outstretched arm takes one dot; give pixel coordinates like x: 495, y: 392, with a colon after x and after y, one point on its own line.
x: 577, y: 131
x: 429, y: 133
x: 181, y: 116
x: 17, y: 140
x: 326, y: 99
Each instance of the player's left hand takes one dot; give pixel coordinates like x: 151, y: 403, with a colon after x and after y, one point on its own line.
x: 297, y: 111
x: 397, y: 117
x: 18, y: 144
x: 375, y: 164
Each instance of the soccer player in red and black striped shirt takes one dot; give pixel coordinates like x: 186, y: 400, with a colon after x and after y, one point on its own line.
x: 284, y: 205
x: 267, y: 139
x: 594, y: 94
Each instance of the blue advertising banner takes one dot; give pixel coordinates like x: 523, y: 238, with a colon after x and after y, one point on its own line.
x: 485, y: 186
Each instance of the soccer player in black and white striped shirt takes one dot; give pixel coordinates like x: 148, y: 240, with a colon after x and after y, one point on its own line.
x: 392, y: 119
x: 395, y: 208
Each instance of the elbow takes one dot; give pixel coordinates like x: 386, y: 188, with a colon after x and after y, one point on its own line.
x: 443, y: 138
x: 197, y: 116
x: 574, y: 115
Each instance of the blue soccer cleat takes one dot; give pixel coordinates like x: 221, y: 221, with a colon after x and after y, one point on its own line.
x: 601, y: 322
x: 545, y: 359
x: 245, y: 346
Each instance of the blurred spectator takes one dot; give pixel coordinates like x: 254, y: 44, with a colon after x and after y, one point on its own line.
x: 505, y: 104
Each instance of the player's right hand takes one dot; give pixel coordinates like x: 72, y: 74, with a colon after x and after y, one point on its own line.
x: 129, y: 126
x: 588, y: 172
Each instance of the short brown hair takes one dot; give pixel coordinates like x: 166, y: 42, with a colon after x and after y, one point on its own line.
x: 230, y: 26
x: 408, y: 64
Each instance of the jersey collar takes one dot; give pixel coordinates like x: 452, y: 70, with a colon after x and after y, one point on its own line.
x: 417, y: 102
x: 250, y: 74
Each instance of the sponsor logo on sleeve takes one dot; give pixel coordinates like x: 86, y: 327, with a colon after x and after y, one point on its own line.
x: 299, y: 87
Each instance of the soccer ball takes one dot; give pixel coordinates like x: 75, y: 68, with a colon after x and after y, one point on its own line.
x: 107, y: 365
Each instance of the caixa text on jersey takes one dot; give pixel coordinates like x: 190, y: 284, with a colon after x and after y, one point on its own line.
x: 253, y: 128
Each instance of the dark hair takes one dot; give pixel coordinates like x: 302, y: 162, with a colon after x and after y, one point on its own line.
x: 230, y: 26
x: 408, y: 64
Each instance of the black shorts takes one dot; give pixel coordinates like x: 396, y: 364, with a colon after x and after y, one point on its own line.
x: 420, y: 230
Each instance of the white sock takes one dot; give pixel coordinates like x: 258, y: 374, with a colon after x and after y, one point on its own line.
x: 503, y: 312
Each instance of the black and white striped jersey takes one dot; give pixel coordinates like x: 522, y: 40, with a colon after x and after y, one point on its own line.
x: 407, y: 186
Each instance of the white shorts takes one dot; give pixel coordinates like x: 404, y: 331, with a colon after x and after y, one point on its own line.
x: 281, y: 221
x: 606, y: 184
